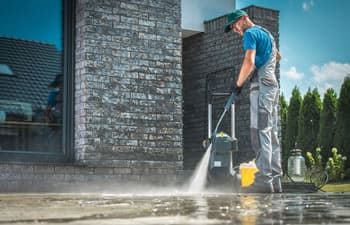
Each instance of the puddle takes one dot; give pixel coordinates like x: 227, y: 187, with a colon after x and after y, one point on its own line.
x: 201, y: 209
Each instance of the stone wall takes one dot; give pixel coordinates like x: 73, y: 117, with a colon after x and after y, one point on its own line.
x: 128, y: 83
x: 211, y: 62
x: 128, y: 102
x: 34, y: 177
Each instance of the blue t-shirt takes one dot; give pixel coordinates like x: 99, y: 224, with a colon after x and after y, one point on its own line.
x: 257, y: 39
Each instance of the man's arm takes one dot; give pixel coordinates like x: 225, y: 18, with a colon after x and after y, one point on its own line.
x: 247, y: 67
x: 278, y: 56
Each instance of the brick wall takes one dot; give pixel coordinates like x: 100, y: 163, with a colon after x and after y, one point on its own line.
x: 33, y: 177
x: 128, y: 83
x: 211, y: 61
x: 128, y: 101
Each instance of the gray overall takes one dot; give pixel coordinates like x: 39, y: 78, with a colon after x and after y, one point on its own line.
x: 264, y: 98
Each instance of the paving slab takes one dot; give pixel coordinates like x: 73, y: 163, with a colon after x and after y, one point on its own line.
x: 174, y: 208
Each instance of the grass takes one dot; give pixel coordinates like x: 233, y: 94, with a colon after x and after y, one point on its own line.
x: 337, y: 187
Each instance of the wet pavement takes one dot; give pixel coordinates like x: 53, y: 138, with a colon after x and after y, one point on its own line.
x: 174, y: 209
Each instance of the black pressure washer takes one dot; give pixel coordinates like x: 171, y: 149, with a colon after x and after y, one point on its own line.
x: 221, y: 173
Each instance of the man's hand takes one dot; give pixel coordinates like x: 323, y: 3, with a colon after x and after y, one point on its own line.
x: 236, y: 89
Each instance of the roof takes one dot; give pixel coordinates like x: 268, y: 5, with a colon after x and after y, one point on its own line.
x: 34, y: 66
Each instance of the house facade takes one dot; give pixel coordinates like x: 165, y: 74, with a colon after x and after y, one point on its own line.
x: 133, y: 97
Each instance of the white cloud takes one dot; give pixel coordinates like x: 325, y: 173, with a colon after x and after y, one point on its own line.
x: 328, y: 85
x: 329, y: 75
x: 322, y: 77
x: 307, y: 5
x: 331, y: 71
x: 292, y: 74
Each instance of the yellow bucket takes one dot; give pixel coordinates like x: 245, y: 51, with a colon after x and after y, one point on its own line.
x: 247, y: 171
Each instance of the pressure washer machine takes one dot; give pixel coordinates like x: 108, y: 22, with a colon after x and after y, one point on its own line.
x: 223, y: 153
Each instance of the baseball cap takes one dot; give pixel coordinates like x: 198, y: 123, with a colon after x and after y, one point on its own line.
x: 233, y: 17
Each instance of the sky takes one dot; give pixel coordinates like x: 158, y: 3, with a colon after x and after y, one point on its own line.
x: 38, y: 20
x: 314, y: 43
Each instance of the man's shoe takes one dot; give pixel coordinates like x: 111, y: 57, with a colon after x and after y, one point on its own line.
x: 277, y: 186
x: 259, y: 188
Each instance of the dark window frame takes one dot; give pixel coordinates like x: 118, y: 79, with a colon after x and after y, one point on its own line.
x: 67, y: 153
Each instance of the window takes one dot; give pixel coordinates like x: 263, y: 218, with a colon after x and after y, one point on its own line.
x: 36, y: 77
x: 5, y: 70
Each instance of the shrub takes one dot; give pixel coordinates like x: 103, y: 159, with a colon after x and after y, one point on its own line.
x: 315, y: 171
x: 315, y: 163
x: 336, y: 166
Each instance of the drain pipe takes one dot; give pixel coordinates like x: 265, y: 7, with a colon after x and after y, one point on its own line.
x: 210, y: 108
x: 233, y: 125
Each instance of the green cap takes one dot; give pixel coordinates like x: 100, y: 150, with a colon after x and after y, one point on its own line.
x: 233, y: 17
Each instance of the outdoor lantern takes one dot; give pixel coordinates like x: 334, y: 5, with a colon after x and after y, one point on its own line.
x: 296, y: 166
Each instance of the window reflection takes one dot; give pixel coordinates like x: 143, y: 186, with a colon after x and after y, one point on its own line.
x: 53, y: 113
x: 31, y: 82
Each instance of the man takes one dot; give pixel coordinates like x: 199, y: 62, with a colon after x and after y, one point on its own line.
x: 53, y: 114
x: 53, y: 111
x: 261, y: 54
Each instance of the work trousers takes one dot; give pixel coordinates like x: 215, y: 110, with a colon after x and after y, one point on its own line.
x: 264, y: 98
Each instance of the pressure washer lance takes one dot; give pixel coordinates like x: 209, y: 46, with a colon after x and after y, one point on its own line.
x: 226, y: 108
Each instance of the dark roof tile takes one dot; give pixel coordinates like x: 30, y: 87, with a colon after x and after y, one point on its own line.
x: 34, y: 65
